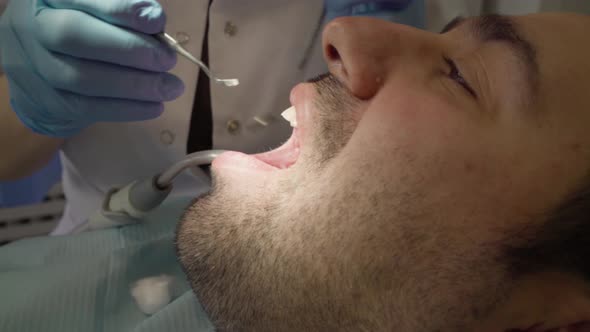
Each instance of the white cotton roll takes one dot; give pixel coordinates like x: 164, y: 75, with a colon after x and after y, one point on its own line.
x: 152, y: 294
x: 290, y: 115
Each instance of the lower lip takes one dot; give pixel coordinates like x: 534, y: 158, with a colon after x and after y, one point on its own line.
x: 280, y: 158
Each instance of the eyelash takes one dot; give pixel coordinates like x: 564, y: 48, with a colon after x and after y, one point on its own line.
x: 456, y: 76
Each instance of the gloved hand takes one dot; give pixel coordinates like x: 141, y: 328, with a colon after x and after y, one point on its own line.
x: 71, y: 63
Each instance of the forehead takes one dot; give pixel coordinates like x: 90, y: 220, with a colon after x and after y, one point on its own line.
x: 563, y: 47
x: 563, y: 56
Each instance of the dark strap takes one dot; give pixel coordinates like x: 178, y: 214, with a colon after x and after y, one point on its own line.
x: 200, y: 136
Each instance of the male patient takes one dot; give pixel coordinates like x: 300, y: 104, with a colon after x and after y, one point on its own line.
x: 434, y: 183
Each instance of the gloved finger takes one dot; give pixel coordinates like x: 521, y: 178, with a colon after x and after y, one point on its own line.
x: 81, y: 35
x: 76, y: 111
x: 145, y: 16
x: 97, y: 79
x: 97, y: 109
x: 72, y: 107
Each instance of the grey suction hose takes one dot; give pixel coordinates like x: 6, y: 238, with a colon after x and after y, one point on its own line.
x: 129, y: 204
x: 194, y: 159
x: 148, y: 194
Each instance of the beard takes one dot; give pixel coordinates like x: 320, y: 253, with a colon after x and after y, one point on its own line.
x: 325, y: 247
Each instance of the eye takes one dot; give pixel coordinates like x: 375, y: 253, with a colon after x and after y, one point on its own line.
x: 456, y: 76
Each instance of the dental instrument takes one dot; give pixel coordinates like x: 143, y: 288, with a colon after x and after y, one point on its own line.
x: 129, y: 204
x: 175, y: 45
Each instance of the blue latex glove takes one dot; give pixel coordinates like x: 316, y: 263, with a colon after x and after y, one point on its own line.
x: 71, y: 63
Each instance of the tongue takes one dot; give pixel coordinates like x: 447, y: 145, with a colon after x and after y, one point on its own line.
x: 280, y: 158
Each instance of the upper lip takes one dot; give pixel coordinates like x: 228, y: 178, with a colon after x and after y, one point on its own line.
x: 301, y: 99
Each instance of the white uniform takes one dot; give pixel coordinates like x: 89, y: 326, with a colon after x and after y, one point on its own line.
x: 270, y: 45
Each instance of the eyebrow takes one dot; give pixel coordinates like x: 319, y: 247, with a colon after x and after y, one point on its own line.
x: 498, y: 28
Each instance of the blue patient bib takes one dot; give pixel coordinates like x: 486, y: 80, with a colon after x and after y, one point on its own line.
x: 408, y: 12
x: 83, y: 283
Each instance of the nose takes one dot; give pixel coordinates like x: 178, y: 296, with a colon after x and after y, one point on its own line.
x: 359, y: 52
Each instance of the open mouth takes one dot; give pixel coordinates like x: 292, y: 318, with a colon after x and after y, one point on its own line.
x: 282, y: 157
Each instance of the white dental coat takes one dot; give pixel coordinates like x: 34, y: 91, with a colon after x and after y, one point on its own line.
x: 270, y: 45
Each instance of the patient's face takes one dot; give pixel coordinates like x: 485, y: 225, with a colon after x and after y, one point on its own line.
x: 408, y: 183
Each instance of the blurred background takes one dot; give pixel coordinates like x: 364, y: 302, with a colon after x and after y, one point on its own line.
x: 33, y: 206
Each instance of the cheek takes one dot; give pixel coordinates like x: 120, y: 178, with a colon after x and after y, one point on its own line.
x: 442, y: 148
x: 417, y: 123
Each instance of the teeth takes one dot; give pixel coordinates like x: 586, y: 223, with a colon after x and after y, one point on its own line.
x: 289, y: 115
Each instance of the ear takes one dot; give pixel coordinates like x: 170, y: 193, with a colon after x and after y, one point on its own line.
x: 544, y: 302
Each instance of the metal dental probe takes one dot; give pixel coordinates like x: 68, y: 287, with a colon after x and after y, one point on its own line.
x: 175, y: 45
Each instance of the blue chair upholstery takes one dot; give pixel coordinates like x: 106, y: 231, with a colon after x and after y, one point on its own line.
x: 32, y: 189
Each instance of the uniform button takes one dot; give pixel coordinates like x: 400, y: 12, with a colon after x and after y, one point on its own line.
x: 182, y: 37
x: 230, y: 29
x: 233, y: 126
x: 167, y: 137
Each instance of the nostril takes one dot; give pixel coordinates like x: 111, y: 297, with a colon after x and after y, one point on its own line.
x: 332, y: 53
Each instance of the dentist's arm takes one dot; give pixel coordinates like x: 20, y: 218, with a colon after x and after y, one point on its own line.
x: 21, y: 151
x: 73, y: 63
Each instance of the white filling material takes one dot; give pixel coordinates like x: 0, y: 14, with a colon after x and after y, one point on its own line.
x: 152, y: 294
x: 290, y: 115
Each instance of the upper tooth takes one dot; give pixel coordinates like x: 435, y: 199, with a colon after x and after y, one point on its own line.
x: 290, y: 115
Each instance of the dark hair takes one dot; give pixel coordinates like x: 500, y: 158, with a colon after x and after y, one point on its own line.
x: 561, y: 243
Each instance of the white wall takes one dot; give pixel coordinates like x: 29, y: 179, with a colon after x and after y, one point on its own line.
x: 512, y: 7
x: 441, y: 12
x: 580, y: 6
x: 519, y: 7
